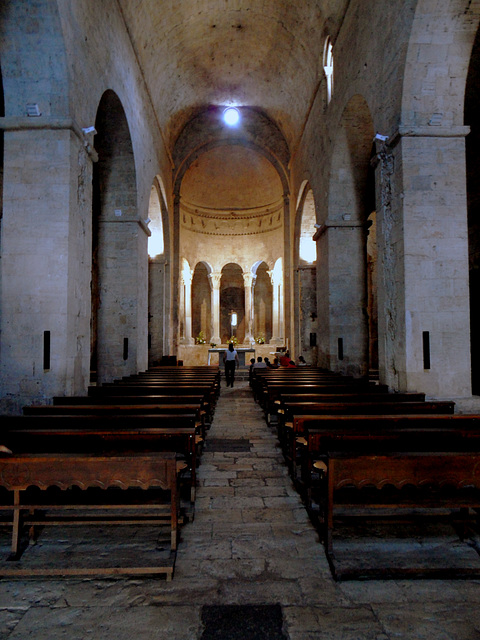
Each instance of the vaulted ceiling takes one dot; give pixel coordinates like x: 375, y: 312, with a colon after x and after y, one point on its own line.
x: 262, y: 54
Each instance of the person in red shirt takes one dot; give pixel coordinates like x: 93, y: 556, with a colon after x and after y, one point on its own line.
x: 285, y: 359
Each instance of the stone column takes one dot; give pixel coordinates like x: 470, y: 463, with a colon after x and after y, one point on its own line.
x: 177, y: 288
x: 158, y: 312
x: 277, y: 337
x: 423, y: 282
x: 186, y: 279
x: 123, y: 310
x: 341, y: 296
x: 46, y: 262
x: 215, y: 279
x: 286, y: 289
x: 248, y: 280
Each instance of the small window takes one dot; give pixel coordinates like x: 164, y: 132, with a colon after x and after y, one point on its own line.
x: 328, y: 67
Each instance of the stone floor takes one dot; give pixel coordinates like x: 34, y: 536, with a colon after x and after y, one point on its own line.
x: 251, y: 543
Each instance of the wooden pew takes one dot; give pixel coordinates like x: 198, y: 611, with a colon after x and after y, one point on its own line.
x: 358, y: 451
x: 142, y: 391
x: 289, y: 429
x: 121, y: 411
x: 121, y: 400
x: 273, y: 392
x: 18, y: 472
x: 99, y: 434
x: 324, y: 432
x: 291, y: 434
x: 441, y: 479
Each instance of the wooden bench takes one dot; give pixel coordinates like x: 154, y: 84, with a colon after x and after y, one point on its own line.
x: 154, y: 470
x: 440, y: 479
x: 429, y: 431
x: 121, y: 411
x: 290, y: 429
x: 274, y: 392
x: 100, y: 434
x: 206, y: 409
x: 113, y: 390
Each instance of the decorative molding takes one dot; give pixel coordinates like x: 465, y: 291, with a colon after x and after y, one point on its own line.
x: 349, y: 224
x: 48, y: 123
x: 428, y: 131
x: 232, y: 222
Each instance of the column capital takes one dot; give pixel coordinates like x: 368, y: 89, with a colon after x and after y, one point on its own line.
x: 186, y: 278
x: 215, y: 279
x: 248, y: 278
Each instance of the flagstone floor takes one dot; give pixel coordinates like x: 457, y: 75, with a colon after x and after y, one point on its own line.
x: 250, y: 543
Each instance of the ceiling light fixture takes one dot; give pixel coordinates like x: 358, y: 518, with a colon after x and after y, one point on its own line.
x: 231, y: 116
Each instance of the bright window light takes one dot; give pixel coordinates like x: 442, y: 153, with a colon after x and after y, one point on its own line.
x: 308, y: 250
x: 231, y: 116
x: 155, y: 243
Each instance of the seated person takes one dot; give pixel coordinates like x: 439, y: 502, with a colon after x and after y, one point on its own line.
x: 285, y: 359
x: 301, y: 362
x: 250, y: 371
x: 259, y: 364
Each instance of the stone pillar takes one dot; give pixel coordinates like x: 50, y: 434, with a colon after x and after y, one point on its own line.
x: 341, y: 297
x: 248, y: 280
x: 214, y: 279
x: 46, y: 262
x: 122, y: 323
x: 286, y: 288
x: 306, y: 312
x: 186, y: 281
x: 177, y: 288
x: 158, y: 308
x: 423, y: 283
x: 277, y: 337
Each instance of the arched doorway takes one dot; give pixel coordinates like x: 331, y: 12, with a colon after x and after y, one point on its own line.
x: 232, y: 301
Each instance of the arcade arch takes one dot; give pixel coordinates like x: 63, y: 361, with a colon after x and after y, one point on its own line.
x: 158, y: 275
x: 119, y: 266
x: 341, y: 247
x: 231, y: 211
x: 305, y: 320
x: 472, y: 119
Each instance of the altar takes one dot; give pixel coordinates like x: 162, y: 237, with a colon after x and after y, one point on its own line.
x: 241, y: 351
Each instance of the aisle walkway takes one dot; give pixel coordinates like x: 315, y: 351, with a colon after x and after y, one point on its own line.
x: 251, y: 543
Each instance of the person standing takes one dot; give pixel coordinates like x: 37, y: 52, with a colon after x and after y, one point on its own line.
x: 230, y: 359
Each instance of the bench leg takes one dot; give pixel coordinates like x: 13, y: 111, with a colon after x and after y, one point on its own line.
x: 16, y: 521
x: 329, y: 509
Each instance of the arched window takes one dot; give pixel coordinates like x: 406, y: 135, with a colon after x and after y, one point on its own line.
x: 328, y: 67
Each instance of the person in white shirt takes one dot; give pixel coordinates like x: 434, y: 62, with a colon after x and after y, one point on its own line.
x: 230, y: 359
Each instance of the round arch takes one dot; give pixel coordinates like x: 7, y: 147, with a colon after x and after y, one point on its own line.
x: 202, y: 326
x: 305, y: 252
x: 442, y: 31
x: 232, y: 300
x: 159, y: 287
x: 341, y: 246
x: 115, y: 343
